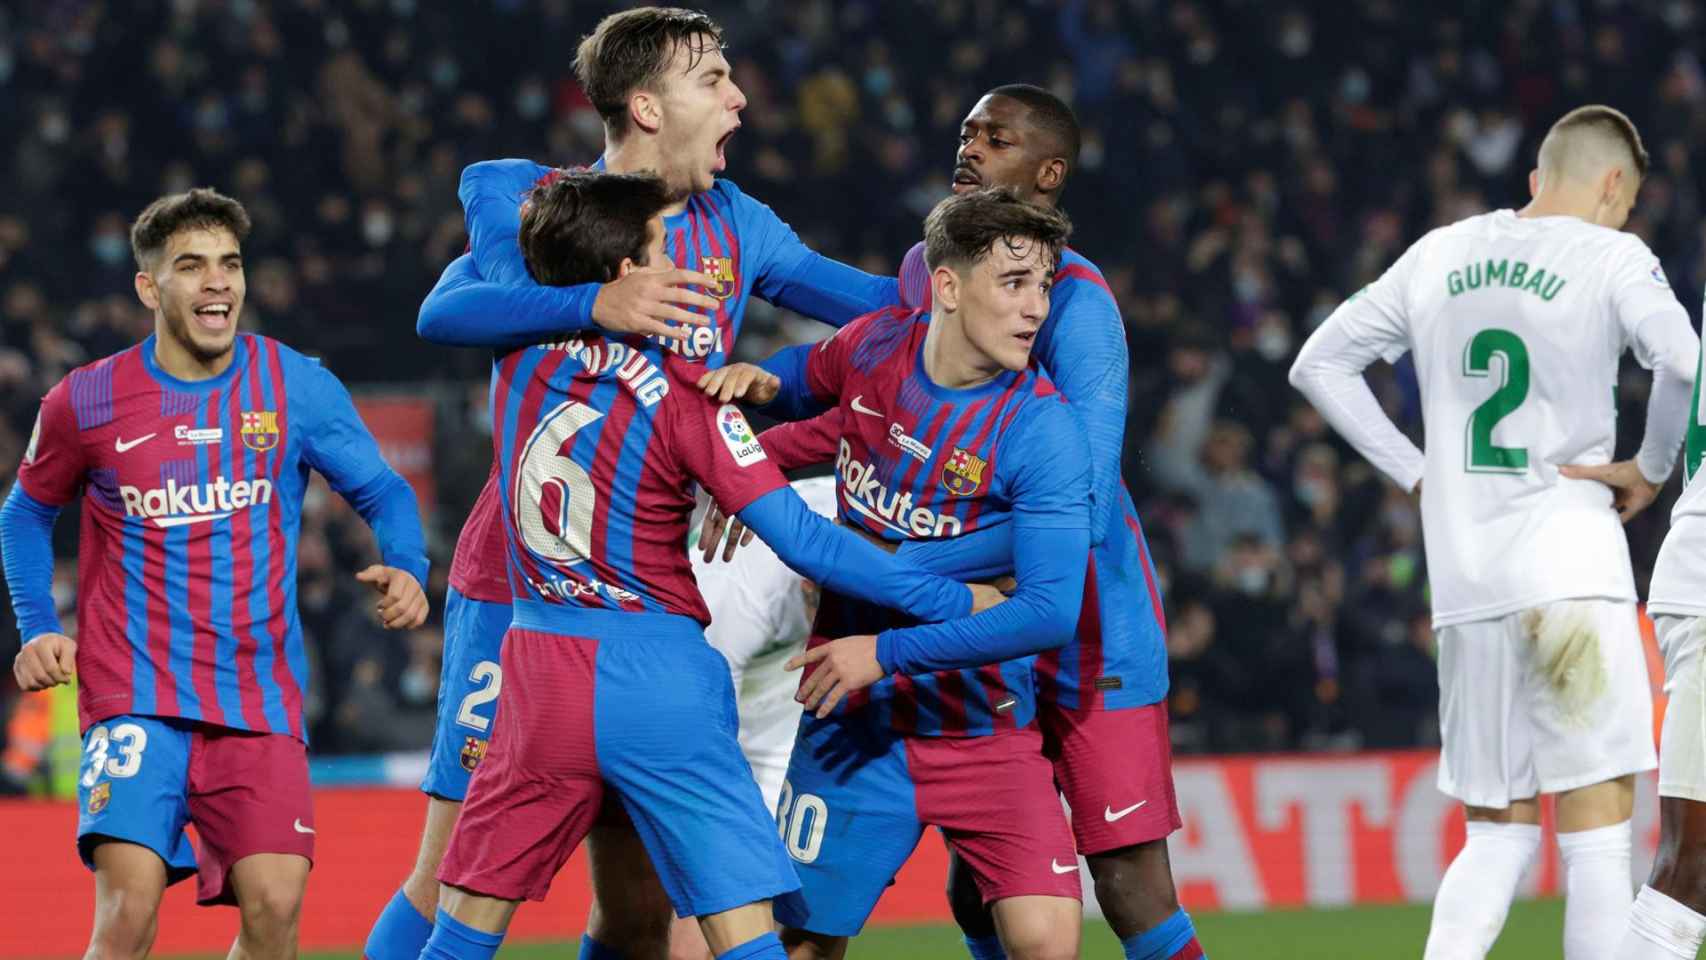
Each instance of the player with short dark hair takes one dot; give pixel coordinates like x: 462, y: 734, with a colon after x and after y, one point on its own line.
x: 191, y: 451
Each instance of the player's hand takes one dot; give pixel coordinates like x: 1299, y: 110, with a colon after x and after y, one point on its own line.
x: 741, y: 381
x: 652, y: 302
x: 843, y: 666
x: 984, y: 596
x: 712, y: 529
x: 1630, y: 492
x: 46, y: 661
x: 402, y: 602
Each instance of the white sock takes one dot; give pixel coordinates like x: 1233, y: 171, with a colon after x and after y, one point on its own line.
x: 1596, y: 890
x: 1470, y: 908
x: 1661, y: 929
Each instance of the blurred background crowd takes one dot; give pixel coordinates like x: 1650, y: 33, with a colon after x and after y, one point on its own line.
x: 1246, y: 166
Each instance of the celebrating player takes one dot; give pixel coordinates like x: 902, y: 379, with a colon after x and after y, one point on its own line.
x: 1669, y: 916
x: 1517, y: 320
x: 609, y: 679
x: 659, y: 78
x: 947, y: 429
x: 192, y: 451
x: 1101, y: 699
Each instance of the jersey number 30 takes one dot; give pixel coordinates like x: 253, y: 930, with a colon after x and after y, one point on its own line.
x: 1481, y: 454
x: 553, y: 496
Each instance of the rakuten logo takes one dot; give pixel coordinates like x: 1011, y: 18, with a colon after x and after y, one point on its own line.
x: 864, y: 494
x: 175, y: 505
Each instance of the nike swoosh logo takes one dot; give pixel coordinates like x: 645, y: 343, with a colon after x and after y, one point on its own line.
x: 167, y: 522
x: 861, y: 408
x: 1057, y: 868
x: 300, y: 828
x: 1109, y: 815
x: 121, y: 446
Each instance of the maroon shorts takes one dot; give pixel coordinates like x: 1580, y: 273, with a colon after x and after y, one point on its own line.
x: 1115, y: 769
x: 249, y: 794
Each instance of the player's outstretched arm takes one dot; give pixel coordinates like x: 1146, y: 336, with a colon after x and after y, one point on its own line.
x: 26, y: 540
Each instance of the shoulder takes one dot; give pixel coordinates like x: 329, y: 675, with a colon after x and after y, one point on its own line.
x: 88, y: 390
x: 877, y: 336
x: 1077, y: 273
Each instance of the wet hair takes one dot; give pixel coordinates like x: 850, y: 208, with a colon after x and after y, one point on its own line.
x: 579, y: 225
x: 630, y: 51
x: 1051, y: 115
x: 963, y: 229
x: 1582, y: 139
x: 200, y: 209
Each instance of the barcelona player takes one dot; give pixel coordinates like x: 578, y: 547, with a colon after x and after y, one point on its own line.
x: 191, y: 452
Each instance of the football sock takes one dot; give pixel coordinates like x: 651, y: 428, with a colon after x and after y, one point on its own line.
x: 1661, y: 929
x: 454, y: 940
x: 1596, y: 890
x: 593, y: 950
x: 399, y: 933
x: 1475, y: 895
x: 985, y: 948
x: 1174, y: 938
x: 763, y: 947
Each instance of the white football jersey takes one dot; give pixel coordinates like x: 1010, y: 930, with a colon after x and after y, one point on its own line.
x: 1679, y: 578
x: 1517, y: 326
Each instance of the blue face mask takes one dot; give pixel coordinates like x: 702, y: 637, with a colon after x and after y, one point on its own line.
x: 109, y: 248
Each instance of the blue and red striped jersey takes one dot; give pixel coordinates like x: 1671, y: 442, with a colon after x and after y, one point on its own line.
x: 914, y: 461
x: 192, y: 502
x: 599, y: 440
x: 1119, y: 657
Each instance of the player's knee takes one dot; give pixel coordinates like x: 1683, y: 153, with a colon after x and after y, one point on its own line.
x: 1041, y: 942
x: 1134, y: 886
x: 270, y: 912
x: 966, y: 901
x: 124, y: 928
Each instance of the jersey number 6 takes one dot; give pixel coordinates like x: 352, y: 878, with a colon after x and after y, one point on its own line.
x: 553, y: 495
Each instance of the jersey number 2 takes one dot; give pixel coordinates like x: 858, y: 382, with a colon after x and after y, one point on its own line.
x: 1481, y: 454
x: 490, y: 676
x: 554, y: 495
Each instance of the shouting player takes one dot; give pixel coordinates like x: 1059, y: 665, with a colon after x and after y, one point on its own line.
x: 947, y: 428
x: 1669, y: 916
x: 1101, y: 700
x: 659, y: 78
x: 1517, y: 320
x: 192, y: 451
x: 613, y: 700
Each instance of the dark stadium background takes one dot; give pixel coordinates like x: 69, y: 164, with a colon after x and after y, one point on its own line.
x: 1247, y: 165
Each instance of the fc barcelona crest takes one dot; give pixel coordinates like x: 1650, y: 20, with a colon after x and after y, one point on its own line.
x: 99, y: 796
x: 962, y: 472
x: 473, y: 751
x: 260, y: 430
x: 723, y: 269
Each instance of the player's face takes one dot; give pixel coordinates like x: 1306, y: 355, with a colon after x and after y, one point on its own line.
x: 196, y: 291
x: 699, y: 110
x: 999, y: 148
x: 654, y: 254
x: 1004, y: 301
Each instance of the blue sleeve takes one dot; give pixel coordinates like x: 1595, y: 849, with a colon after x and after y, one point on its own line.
x: 796, y: 400
x: 491, y: 192
x: 1042, y: 469
x: 984, y: 553
x: 465, y: 310
x: 1086, y: 358
x: 840, y: 560
x: 26, y: 540
x: 791, y: 275
x: 339, y: 445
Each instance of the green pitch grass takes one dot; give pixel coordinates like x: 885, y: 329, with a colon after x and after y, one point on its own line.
x: 1535, y: 929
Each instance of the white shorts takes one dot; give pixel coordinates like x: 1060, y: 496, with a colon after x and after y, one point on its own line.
x: 769, y: 719
x: 1542, y: 701
x: 1682, y: 759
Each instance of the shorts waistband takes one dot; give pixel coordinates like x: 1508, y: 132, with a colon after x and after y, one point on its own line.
x: 605, y: 624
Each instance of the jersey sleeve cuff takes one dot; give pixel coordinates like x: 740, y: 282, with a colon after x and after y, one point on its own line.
x: 886, y: 652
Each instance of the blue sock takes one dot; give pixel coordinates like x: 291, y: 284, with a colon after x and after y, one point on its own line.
x: 1165, y: 940
x: 985, y: 948
x: 399, y: 933
x: 454, y: 940
x: 766, y: 947
x: 593, y: 950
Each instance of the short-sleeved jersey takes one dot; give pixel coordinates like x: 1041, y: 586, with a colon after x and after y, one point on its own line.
x: 599, y: 440
x: 723, y: 232
x: 1118, y: 656
x: 1679, y: 576
x: 192, y: 498
x: 1517, y: 326
x: 919, y: 461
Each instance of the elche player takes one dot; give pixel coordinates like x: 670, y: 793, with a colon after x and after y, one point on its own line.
x: 615, y: 713
x: 191, y: 452
x: 1517, y: 320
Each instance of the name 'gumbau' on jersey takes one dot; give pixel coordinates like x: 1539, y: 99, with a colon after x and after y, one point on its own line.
x: 1517, y: 325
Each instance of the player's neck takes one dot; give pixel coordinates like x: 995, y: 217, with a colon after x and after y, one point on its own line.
x: 638, y: 154
x: 176, y: 360
x: 950, y: 358
x: 1560, y: 203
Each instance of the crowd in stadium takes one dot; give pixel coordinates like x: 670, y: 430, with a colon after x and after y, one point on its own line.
x: 1233, y: 189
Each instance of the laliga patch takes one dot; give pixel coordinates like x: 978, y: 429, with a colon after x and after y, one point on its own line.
x: 738, y: 436
x: 1658, y: 275
x: 473, y: 751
